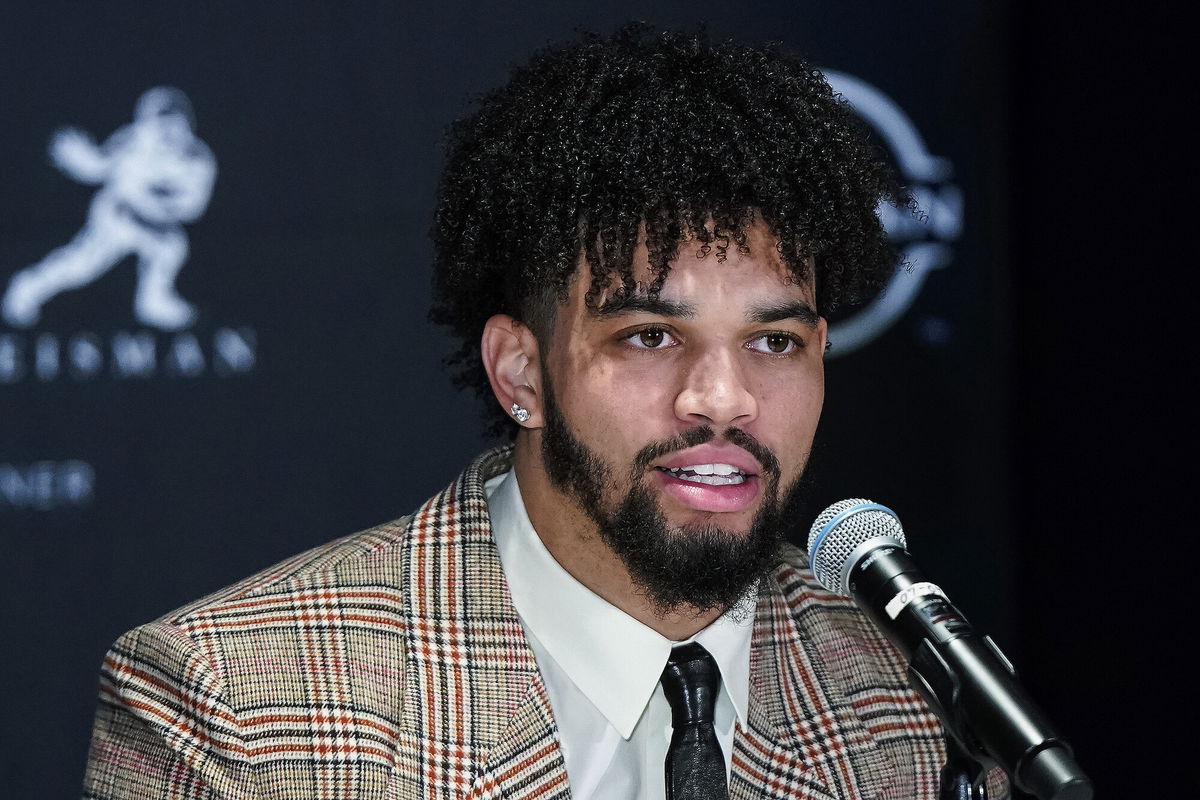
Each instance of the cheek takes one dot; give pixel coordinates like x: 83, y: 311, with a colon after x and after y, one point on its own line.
x: 614, y: 403
x: 790, y: 407
x: 590, y: 393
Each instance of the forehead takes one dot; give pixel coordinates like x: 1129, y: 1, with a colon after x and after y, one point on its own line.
x: 716, y: 274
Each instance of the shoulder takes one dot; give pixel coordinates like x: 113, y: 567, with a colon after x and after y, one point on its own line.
x: 238, y: 688
x: 349, y: 592
x: 278, y: 625
x: 337, y: 570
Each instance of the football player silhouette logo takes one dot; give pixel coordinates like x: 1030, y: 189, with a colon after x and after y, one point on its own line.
x: 154, y: 175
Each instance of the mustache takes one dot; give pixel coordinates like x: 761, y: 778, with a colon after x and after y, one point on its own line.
x: 704, y: 435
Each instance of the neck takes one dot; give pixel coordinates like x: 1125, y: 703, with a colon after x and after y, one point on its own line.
x: 573, y: 540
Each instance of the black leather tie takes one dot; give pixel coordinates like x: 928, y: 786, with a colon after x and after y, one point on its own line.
x: 695, y: 765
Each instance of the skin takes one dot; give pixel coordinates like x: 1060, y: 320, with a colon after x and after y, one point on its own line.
x: 628, y: 376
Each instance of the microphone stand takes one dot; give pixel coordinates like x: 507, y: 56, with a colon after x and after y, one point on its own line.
x: 964, y: 777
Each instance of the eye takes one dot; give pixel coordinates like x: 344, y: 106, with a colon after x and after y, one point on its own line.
x: 778, y: 344
x: 651, y: 339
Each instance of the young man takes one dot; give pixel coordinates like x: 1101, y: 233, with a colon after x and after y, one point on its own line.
x: 636, y: 238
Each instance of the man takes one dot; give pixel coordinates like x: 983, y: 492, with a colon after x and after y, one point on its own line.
x: 636, y: 238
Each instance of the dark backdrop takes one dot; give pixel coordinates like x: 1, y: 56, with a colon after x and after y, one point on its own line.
x: 308, y: 401
x: 1102, y: 257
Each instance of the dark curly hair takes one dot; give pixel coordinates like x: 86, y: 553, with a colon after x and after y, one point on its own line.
x: 693, y: 139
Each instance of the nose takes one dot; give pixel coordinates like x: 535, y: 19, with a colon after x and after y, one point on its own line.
x: 714, y: 391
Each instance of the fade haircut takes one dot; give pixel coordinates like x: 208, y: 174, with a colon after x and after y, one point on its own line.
x: 593, y: 142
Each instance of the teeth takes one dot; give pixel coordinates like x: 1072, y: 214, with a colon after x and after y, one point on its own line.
x: 710, y: 469
x: 714, y: 480
x: 711, y: 474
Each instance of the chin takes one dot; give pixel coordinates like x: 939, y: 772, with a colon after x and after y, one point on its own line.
x: 705, y: 521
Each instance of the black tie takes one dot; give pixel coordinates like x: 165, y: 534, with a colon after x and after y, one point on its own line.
x: 695, y: 765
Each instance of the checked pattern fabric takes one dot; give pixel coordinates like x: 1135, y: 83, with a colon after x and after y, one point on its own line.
x: 391, y: 665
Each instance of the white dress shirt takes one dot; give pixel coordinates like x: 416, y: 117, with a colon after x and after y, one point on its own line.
x: 602, y: 667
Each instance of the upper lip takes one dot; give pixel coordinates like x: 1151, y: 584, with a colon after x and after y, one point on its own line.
x: 712, y: 454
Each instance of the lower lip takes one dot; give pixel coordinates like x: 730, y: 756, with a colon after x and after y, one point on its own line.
x: 704, y: 497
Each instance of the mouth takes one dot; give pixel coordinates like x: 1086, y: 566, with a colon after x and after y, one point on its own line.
x: 708, y: 474
x: 711, y: 479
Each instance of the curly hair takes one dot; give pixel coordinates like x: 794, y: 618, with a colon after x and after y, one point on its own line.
x: 594, y: 143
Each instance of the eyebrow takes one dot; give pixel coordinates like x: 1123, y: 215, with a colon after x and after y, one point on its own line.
x: 644, y: 304
x: 796, y: 309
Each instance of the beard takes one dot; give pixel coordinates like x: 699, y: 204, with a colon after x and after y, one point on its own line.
x: 702, y: 566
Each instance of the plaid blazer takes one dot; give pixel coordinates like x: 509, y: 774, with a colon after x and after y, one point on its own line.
x: 391, y: 664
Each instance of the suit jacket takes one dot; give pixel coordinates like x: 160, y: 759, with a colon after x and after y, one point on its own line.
x: 391, y: 664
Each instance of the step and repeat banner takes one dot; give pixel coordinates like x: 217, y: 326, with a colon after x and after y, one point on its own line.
x: 214, y: 274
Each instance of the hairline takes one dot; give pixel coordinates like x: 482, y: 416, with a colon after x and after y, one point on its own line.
x: 539, y: 310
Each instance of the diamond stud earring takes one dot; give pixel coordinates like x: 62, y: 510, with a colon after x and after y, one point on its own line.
x: 519, y: 413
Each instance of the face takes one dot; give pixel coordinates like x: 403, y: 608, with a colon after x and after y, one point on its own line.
x: 681, y: 424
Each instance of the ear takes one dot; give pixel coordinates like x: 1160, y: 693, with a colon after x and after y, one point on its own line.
x: 513, y: 363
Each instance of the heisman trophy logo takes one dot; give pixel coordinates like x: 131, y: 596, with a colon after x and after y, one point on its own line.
x: 154, y: 175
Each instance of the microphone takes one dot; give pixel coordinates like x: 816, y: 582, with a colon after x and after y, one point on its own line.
x: 856, y: 549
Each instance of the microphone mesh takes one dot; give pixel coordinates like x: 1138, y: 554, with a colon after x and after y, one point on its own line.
x: 853, y: 521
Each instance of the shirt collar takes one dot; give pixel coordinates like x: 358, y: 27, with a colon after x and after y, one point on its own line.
x: 612, y: 658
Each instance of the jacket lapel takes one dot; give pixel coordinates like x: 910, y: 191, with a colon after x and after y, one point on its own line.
x: 769, y: 759
x: 802, y: 740
x: 526, y: 761
x: 477, y: 719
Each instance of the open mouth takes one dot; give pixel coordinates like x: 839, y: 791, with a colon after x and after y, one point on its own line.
x: 709, y: 474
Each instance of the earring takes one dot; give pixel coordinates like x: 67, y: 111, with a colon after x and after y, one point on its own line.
x: 521, y: 414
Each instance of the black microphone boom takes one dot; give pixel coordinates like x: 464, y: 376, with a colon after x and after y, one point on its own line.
x: 857, y: 549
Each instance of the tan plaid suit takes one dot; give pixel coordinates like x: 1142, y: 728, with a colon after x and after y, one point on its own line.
x: 391, y: 664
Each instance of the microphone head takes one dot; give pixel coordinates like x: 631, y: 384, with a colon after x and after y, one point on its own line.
x: 842, y: 533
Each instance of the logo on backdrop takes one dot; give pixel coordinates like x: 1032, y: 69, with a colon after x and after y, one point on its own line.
x: 924, y: 244
x: 154, y: 176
